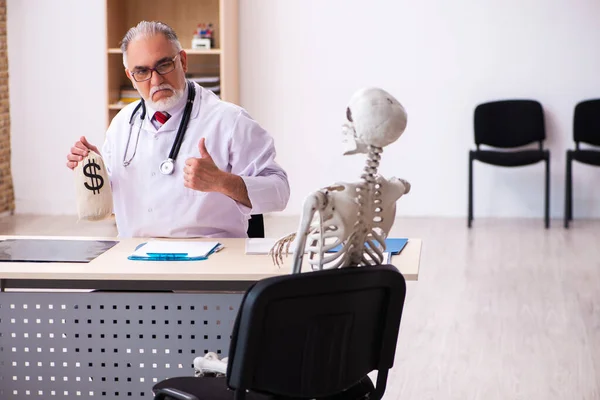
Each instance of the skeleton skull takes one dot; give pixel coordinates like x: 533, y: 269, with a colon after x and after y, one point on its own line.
x: 373, y: 118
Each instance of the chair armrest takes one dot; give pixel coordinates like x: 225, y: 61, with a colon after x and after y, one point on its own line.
x: 161, y: 394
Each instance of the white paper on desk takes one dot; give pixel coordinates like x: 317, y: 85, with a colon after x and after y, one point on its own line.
x: 259, y: 245
x: 387, y: 257
x: 188, y: 248
x: 264, y: 245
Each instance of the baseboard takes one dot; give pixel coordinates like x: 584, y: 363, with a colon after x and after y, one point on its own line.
x: 6, y: 214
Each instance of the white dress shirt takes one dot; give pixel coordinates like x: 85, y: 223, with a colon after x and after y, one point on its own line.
x: 150, y: 204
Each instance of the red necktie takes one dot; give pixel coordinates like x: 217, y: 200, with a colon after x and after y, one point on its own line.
x: 161, y: 117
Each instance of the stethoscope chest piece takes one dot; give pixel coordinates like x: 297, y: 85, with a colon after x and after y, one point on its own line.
x: 167, y: 167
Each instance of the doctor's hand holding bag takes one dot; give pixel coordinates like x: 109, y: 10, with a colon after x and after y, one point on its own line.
x: 181, y: 161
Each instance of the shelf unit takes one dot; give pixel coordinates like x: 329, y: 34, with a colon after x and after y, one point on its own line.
x: 183, y: 16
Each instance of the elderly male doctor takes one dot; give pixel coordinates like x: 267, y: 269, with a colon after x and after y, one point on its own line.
x: 224, y: 170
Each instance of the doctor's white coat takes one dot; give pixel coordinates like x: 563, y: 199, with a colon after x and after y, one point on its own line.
x: 150, y: 204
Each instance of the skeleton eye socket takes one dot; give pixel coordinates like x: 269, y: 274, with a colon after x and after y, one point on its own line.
x: 349, y: 114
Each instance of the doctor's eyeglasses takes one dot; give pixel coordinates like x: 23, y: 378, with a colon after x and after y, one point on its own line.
x: 144, y: 74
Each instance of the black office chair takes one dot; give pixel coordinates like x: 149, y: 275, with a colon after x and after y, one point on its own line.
x: 256, y: 226
x: 310, y: 335
x: 508, y: 124
x: 586, y: 129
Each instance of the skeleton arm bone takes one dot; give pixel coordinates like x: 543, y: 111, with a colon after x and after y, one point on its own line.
x: 314, y: 202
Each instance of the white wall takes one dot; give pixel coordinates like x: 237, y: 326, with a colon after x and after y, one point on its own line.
x: 302, y: 59
x: 300, y: 62
x: 57, y: 78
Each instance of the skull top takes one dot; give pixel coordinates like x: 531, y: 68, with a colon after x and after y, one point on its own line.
x: 373, y: 118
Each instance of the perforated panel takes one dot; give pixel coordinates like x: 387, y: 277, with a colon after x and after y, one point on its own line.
x: 106, y: 345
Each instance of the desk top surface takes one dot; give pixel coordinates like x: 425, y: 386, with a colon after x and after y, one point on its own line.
x: 229, y: 264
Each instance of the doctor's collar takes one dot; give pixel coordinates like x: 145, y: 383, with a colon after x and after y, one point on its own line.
x: 176, y: 109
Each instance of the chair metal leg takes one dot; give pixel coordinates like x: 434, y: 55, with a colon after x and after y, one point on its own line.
x: 382, y: 376
x: 568, y: 191
x: 470, y: 212
x: 570, y: 187
x: 547, y: 202
x: 571, y: 192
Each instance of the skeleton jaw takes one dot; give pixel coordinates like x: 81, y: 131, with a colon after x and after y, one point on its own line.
x: 350, y: 143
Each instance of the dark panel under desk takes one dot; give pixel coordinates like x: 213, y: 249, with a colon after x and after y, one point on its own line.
x: 106, y: 345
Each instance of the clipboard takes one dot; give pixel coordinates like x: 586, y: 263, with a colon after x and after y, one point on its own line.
x: 166, y: 250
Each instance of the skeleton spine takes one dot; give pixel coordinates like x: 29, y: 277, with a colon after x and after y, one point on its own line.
x: 366, y: 198
x: 373, y: 159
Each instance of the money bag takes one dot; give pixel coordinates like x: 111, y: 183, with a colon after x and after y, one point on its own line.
x: 94, y: 195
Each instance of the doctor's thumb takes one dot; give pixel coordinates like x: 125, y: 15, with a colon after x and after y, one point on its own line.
x: 202, y: 148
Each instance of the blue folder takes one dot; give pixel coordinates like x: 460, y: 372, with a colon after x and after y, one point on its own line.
x: 172, y: 256
x: 392, y: 245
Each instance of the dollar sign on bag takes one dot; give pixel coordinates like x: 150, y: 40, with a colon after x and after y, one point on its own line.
x: 96, y: 180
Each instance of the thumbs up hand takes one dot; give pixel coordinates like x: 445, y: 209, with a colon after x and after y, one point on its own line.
x: 202, y: 173
x: 202, y: 149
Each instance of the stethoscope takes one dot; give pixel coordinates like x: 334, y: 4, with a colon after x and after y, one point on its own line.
x: 168, y: 165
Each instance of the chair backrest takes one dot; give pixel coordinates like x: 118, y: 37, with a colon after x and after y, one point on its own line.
x: 256, y: 226
x: 318, y: 333
x: 586, y: 122
x: 509, y: 123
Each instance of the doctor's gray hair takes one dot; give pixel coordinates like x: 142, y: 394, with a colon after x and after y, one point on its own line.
x: 147, y: 29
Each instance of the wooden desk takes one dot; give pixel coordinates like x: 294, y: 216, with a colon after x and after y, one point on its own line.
x: 229, y: 269
x: 105, y: 344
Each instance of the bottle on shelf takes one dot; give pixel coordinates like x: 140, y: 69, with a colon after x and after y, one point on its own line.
x: 203, y: 37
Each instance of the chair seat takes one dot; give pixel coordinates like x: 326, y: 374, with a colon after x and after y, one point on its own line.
x: 510, y: 158
x: 205, y: 388
x: 215, y: 388
x: 591, y: 157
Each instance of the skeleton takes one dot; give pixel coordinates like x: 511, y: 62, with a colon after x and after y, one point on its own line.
x: 210, y: 364
x: 356, y: 216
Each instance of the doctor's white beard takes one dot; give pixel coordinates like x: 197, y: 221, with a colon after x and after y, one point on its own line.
x: 164, y: 104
